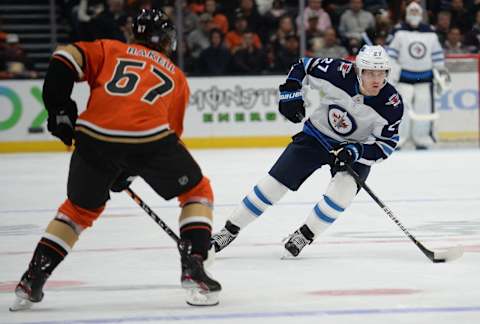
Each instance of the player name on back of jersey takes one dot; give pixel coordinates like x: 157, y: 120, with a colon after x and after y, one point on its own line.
x: 153, y: 55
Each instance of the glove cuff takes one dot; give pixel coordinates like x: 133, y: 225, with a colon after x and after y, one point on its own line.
x: 356, y: 150
x: 290, y: 85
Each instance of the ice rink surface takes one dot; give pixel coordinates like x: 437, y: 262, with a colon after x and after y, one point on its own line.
x: 362, y: 270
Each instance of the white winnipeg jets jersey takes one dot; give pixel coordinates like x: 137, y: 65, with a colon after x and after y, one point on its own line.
x: 344, y: 114
x: 416, y: 52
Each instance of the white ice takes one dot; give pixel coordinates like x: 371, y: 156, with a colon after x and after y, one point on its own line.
x: 362, y: 270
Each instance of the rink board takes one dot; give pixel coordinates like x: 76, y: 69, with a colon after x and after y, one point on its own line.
x: 223, y: 112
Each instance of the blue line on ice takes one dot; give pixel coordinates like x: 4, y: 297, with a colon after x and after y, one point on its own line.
x: 265, y: 315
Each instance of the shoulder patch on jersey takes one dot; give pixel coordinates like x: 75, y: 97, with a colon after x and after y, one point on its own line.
x: 394, y: 100
x: 345, y: 68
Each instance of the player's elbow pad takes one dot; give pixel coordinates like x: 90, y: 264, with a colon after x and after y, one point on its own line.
x: 58, y: 85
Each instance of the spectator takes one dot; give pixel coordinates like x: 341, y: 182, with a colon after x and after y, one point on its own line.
x: 313, y: 36
x: 13, y: 60
x: 249, y: 9
x: 190, y: 19
x: 198, y: 40
x: 315, y: 8
x: 98, y: 21
x: 288, y: 54
x: 196, y: 6
x: 285, y: 27
x: 219, y: 19
x: 460, y: 16
x: 335, y: 8
x: 443, y: 25
x: 330, y: 47
x: 473, y: 36
x: 248, y: 59
x: 353, y: 23
x: 374, y: 5
x: 272, y: 16
x: 88, y: 10
x: 379, y: 34
x: 270, y: 59
x: 454, y: 44
x: 234, y: 38
x: 214, y: 60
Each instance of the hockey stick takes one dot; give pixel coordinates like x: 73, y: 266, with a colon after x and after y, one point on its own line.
x: 183, y: 246
x: 198, y: 293
x: 436, y: 257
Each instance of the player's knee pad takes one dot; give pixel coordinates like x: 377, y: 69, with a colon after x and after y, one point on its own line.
x: 265, y: 193
x: 271, y: 189
x: 80, y: 216
x: 341, y: 190
x: 202, y: 193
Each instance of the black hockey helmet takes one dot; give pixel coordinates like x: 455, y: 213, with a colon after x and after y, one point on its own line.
x: 154, y: 29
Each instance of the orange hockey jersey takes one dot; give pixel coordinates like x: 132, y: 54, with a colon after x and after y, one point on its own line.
x: 136, y: 93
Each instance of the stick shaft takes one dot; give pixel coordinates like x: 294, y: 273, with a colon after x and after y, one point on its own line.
x: 389, y: 213
x: 153, y: 215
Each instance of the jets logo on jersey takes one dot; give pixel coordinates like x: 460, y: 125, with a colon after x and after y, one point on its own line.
x: 345, y: 68
x: 341, y: 121
x: 417, y: 50
x: 393, y: 100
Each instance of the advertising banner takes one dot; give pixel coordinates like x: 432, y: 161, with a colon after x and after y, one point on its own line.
x: 224, y: 111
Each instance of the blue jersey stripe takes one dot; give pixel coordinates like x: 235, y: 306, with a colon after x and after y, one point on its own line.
x: 385, y: 148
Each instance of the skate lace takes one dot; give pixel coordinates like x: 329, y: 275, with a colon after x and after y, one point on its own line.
x: 223, y: 238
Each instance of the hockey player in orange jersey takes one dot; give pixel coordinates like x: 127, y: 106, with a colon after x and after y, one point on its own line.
x: 131, y: 127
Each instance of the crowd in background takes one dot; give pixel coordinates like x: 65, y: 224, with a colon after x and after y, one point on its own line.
x: 228, y: 37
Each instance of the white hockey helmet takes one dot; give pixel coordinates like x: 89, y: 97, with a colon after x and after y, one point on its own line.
x: 413, y: 14
x: 372, y: 58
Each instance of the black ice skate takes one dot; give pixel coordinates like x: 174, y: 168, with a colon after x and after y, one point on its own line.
x: 202, y: 290
x: 223, y: 238
x: 298, y: 240
x: 29, y: 290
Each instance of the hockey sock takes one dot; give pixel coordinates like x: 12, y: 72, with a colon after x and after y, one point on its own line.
x: 266, y: 193
x: 196, y: 227
x: 198, y: 234
x: 47, y: 256
x: 53, y: 247
x: 323, y: 215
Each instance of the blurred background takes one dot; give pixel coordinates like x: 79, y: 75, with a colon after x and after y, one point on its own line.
x: 233, y: 40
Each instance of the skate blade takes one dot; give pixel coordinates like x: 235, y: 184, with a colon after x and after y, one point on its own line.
x: 20, y: 304
x: 200, y: 297
x: 287, y: 255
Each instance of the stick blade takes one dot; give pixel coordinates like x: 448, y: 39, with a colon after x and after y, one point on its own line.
x: 450, y: 254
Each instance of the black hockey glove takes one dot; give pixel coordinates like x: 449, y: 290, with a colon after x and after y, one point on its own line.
x: 291, y: 104
x: 123, y: 181
x: 62, y: 123
x: 346, y: 155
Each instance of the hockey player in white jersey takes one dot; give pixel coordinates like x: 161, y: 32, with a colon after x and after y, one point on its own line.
x: 356, y: 124
x: 417, y: 57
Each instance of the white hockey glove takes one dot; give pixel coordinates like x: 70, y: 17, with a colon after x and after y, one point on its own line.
x: 442, y: 80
